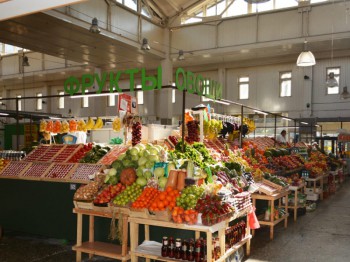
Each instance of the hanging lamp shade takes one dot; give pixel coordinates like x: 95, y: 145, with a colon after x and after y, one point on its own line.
x: 306, y: 58
x: 25, y: 61
x: 345, y: 94
x: 181, y: 55
x: 145, y: 45
x: 331, y: 81
x: 94, y: 26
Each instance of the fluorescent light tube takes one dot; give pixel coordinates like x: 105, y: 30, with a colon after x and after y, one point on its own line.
x: 91, y: 95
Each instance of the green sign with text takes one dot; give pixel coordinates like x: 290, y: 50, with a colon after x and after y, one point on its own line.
x: 185, y: 80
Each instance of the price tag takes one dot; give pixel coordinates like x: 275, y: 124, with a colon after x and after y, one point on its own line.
x: 294, y: 150
x: 305, y: 173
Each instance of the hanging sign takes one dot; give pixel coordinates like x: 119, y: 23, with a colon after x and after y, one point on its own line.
x: 185, y: 81
x: 30, y: 134
x: 127, y: 103
x: 343, y: 137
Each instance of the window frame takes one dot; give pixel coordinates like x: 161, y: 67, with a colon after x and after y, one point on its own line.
x: 138, y: 90
x: 85, y: 100
x: 243, y: 83
x: 19, y: 102
x: 335, y: 76
x: 109, y: 104
x: 39, y: 102
x: 60, y: 99
x: 207, y: 86
x: 281, y: 80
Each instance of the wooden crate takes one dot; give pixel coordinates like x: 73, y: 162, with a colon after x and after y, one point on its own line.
x: 266, y: 189
x: 83, y: 205
x: 271, y: 184
x: 139, y: 213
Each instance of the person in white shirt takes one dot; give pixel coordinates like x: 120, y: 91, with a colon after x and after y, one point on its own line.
x: 282, y: 137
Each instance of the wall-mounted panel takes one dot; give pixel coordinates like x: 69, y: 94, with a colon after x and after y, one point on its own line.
x: 154, y: 34
x: 204, y: 37
x: 87, y: 10
x: 235, y: 31
x: 124, y: 23
x: 323, y: 17
x: 289, y: 25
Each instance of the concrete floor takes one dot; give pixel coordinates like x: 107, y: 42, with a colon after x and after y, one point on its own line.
x: 322, y: 236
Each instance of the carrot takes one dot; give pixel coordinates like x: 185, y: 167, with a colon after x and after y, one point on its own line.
x: 181, y: 180
x: 172, y: 179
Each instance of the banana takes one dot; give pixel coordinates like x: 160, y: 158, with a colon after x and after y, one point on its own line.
x: 98, y: 124
x: 90, y: 124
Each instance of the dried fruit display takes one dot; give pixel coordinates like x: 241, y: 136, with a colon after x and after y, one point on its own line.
x: 36, y: 154
x: 50, y: 153
x: 43, y: 125
x: 136, y: 133
x: 66, y: 153
x: 64, y: 127
x: 113, y: 154
x: 14, y: 168
x: 73, y: 125
x: 36, y: 170
x: 59, y: 170
x: 83, y: 171
x: 192, y: 131
x: 49, y: 126
x: 56, y: 127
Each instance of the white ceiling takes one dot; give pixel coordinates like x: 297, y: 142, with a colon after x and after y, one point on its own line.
x: 46, y: 34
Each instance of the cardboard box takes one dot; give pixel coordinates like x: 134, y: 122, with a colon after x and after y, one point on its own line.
x: 309, y: 191
x: 312, y: 197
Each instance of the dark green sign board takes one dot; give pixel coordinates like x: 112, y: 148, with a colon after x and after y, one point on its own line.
x: 185, y: 80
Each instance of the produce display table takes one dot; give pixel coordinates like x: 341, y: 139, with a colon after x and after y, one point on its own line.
x: 100, y: 248
x: 296, y: 205
x: 314, y: 184
x: 208, y: 230
x: 271, y: 200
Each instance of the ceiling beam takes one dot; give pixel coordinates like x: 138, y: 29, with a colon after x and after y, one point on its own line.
x: 16, y: 8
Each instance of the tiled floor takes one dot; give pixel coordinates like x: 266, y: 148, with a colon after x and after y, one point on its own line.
x: 322, y: 236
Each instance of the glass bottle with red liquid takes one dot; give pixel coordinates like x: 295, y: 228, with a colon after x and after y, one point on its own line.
x: 184, y: 249
x: 190, y: 250
x: 165, y: 247
x: 197, y: 251
x: 204, y: 251
x: 171, y: 247
x: 178, y: 248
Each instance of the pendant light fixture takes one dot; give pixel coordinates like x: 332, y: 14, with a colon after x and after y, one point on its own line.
x: 331, y: 81
x: 306, y: 58
x: 345, y: 94
x: 25, y: 61
x: 94, y: 26
x: 145, y: 45
x: 181, y: 55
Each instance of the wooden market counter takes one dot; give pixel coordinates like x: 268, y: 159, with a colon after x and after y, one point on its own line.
x: 296, y: 204
x: 271, y: 201
x: 101, y: 248
x: 208, y: 230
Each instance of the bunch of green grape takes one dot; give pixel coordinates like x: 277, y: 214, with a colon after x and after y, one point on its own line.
x: 189, y: 197
x: 130, y: 194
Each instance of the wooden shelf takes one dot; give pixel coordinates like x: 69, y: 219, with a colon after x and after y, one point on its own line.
x: 275, y: 222
x: 233, y: 249
x: 229, y: 252
x: 159, y: 223
x: 102, y: 249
